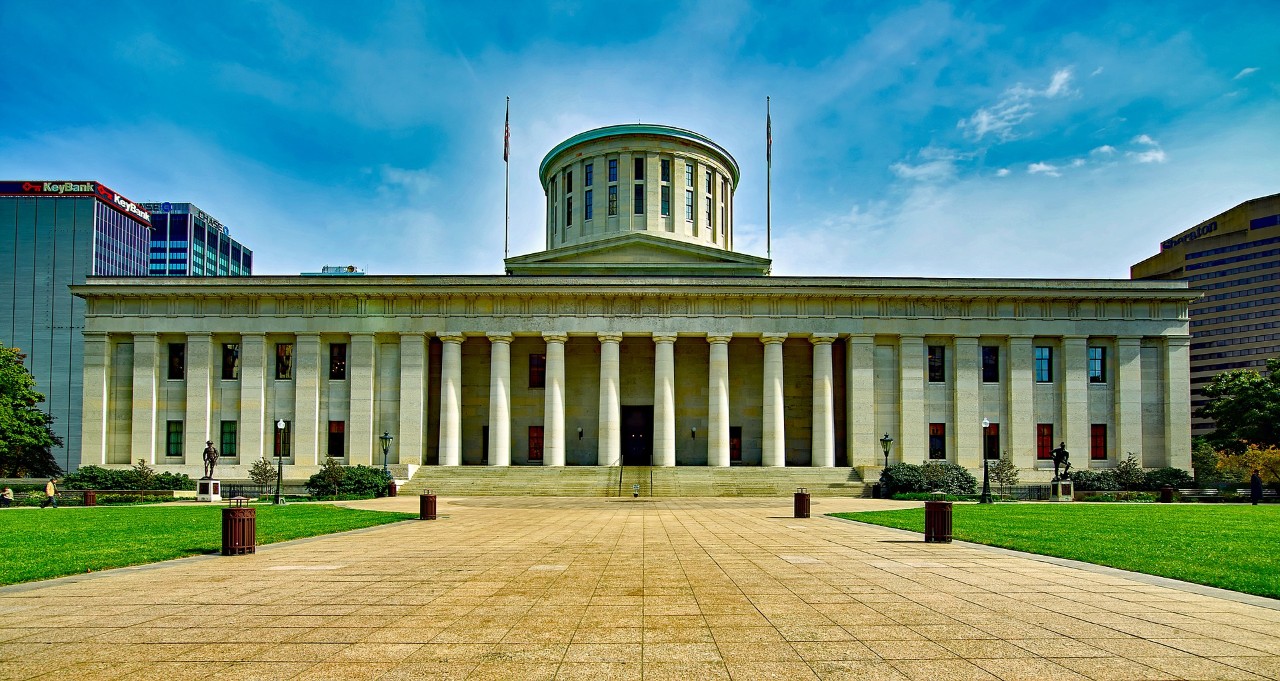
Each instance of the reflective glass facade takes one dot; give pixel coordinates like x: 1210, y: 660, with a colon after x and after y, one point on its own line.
x: 188, y: 242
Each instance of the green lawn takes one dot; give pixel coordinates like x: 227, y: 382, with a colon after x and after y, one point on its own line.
x: 1228, y: 546
x: 40, y: 544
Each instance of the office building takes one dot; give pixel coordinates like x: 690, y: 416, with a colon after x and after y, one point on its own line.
x: 188, y: 242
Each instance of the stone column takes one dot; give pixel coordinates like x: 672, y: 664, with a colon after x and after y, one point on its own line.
x: 863, y: 442
x: 912, y: 444
x: 146, y: 351
x: 96, y: 401
x: 195, y: 431
x: 664, y: 400
x: 305, y: 430
x: 360, y: 374
x: 774, y: 441
x: 451, y: 399
x: 718, y: 401
x: 1177, y: 405
x: 610, y: 442
x: 1128, y: 397
x: 253, y: 397
x: 966, y: 397
x: 824, y: 413
x: 499, y: 399
x: 1075, y: 399
x: 410, y: 442
x: 553, y: 406
x: 1022, y: 427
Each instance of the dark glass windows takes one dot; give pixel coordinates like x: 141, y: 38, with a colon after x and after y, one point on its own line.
x: 537, y: 371
x: 177, y: 361
x: 337, y: 439
x: 613, y: 170
x: 637, y: 199
x: 1097, y: 364
x: 666, y: 170
x: 173, y: 438
x: 227, y: 439
x: 688, y: 206
x: 638, y: 165
x: 568, y: 181
x: 666, y: 200
x: 1044, y: 364
x: 688, y: 175
x: 613, y: 200
x: 568, y: 211
x: 284, y: 361
x: 283, y: 438
x: 338, y: 361
x: 937, y: 440
x: 991, y: 442
x: 587, y: 210
x: 586, y: 174
x: 1044, y: 441
x: 230, y: 361
x: 990, y: 364
x: 535, y: 443
x: 937, y: 363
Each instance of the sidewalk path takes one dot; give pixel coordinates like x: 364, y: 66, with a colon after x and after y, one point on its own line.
x: 538, y: 588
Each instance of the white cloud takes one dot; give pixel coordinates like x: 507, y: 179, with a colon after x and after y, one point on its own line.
x: 1150, y: 153
x: 1245, y: 71
x: 1014, y: 107
x: 936, y: 164
x: 1059, y: 84
x: 1104, y: 150
x: 1003, y: 172
x: 1043, y: 168
x: 1145, y: 139
x: 1096, y: 71
x: 1077, y: 162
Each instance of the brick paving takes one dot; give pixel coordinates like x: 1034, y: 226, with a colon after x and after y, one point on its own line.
x: 534, y: 588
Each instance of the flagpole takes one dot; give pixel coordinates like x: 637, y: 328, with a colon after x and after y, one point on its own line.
x: 768, y: 192
x: 506, y: 160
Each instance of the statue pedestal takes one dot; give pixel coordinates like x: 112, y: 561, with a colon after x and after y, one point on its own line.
x: 208, y: 489
x: 1061, y: 490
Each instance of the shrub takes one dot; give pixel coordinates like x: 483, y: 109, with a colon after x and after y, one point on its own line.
x: 334, y: 479
x: 1173, y: 477
x: 931, y: 477
x: 1129, y: 473
x: 140, y: 476
x: 364, y: 480
x: 902, y: 477
x: 328, y: 479
x: 1092, y: 481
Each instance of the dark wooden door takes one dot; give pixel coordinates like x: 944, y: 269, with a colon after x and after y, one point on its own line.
x: 637, y: 435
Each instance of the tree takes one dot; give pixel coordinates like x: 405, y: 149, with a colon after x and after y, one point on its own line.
x: 1004, y: 472
x: 329, y: 477
x: 1245, y: 408
x: 1204, y: 462
x: 262, y: 473
x: 26, y: 441
x: 1129, y: 473
x: 1239, y: 466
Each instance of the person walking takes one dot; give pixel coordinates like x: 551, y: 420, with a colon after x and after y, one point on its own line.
x: 50, y: 494
x: 1255, y: 487
x: 6, y: 497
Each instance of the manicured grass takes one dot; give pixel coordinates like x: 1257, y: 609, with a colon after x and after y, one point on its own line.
x: 1227, y: 546
x: 41, y: 544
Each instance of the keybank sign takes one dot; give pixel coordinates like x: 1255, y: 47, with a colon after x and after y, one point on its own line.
x: 1190, y: 235
x: 65, y: 188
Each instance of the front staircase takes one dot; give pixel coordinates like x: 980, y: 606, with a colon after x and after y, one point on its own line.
x: 646, y: 481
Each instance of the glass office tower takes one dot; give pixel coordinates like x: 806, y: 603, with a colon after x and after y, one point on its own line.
x: 188, y: 242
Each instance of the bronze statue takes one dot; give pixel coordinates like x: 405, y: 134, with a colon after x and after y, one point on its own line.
x: 1061, y: 458
x: 210, y: 459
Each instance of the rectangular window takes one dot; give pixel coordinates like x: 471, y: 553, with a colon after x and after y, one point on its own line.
x: 707, y: 203
x: 568, y: 211
x: 937, y: 440
x: 688, y: 206
x: 1044, y: 441
x: 173, y: 438
x: 177, y: 361
x: 1098, y: 442
x: 666, y: 200
x: 990, y: 364
x: 535, y: 443
x: 735, y: 444
x: 228, y: 439
x: 586, y: 174
x: 666, y: 170
x: 709, y: 181
x: 1097, y: 364
x: 991, y: 442
x: 284, y: 361
x: 937, y: 363
x: 688, y: 175
x: 1044, y: 364
x: 637, y: 199
x: 337, y: 361
x: 283, y: 438
x: 568, y: 181
x: 638, y: 166
x: 586, y: 206
x: 537, y: 371
x: 613, y: 170
x: 613, y: 200
x: 337, y: 439
x: 230, y: 361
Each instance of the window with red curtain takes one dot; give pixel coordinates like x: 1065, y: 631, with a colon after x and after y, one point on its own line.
x: 1098, y: 442
x: 1044, y: 441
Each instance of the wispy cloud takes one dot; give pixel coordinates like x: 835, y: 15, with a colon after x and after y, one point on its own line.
x: 1015, y: 106
x: 1149, y: 151
x: 1040, y: 168
x: 1003, y: 172
x: 1246, y: 71
x: 934, y: 164
x: 1104, y: 150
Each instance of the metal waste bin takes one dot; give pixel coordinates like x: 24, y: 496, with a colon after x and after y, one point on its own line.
x: 239, y: 528
x: 802, y: 502
x: 427, y: 506
x: 90, y: 497
x: 392, y: 489
x: 875, y: 491
x: 937, y: 522
x: 1166, y: 495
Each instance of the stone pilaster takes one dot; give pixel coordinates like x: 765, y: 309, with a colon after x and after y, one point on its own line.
x: 361, y: 438
x: 967, y: 400
x: 553, y: 405
x: 824, y: 415
x: 1177, y: 403
x: 1075, y: 399
x: 96, y: 400
x: 307, y: 366
x: 610, y: 443
x: 146, y: 351
x: 499, y: 399
x: 1022, y: 427
x: 718, y: 401
x: 664, y: 400
x: 774, y: 449
x: 253, y: 397
x: 912, y: 444
x: 1128, y: 397
x: 200, y: 366
x: 413, y: 397
x: 863, y: 442
x: 451, y: 399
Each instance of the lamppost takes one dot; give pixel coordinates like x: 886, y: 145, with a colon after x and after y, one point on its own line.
x: 386, y: 446
x: 885, y: 443
x: 279, y: 460
x: 986, y: 479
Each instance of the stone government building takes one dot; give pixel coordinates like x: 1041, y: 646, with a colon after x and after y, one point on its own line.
x: 638, y: 336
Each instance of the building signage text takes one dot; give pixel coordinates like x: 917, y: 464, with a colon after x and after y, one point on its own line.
x: 63, y: 188
x: 1190, y: 235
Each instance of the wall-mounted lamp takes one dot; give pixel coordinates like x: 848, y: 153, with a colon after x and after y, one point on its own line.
x: 579, y: 433
x: 693, y: 433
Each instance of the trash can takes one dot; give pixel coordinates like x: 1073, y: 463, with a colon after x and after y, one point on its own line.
x: 90, y: 497
x: 937, y: 522
x: 392, y: 489
x: 802, y: 502
x: 427, y: 506
x: 239, y: 528
x: 1166, y: 495
x: 875, y: 491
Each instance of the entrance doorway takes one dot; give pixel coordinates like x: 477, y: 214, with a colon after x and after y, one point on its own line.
x: 637, y: 435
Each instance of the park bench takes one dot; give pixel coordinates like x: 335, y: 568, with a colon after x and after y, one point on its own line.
x: 1267, y: 494
x: 1200, y: 493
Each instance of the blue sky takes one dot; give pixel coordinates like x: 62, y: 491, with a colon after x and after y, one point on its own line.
x: 1014, y: 139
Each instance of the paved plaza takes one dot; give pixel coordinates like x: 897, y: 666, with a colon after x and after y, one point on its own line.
x: 536, y: 588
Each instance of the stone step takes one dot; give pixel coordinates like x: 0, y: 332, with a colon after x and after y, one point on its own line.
x: 605, y: 481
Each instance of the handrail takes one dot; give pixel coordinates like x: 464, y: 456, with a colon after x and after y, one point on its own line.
x: 651, y: 480
x: 620, y: 468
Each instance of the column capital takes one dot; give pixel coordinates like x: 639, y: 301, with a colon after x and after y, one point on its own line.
x: 451, y: 337
x: 862, y: 338
x: 718, y: 338
x: 555, y: 337
x: 771, y: 338
x: 609, y: 337
x: 664, y: 338
x: 499, y: 337
x: 823, y: 338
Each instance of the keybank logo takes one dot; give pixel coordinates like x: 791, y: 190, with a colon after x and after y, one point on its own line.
x: 125, y: 205
x: 65, y: 187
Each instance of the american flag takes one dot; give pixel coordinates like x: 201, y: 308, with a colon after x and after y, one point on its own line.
x: 768, y: 136
x: 506, y: 134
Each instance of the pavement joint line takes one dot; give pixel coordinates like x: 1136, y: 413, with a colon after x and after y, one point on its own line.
x: 75, y: 579
x: 1141, y: 577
